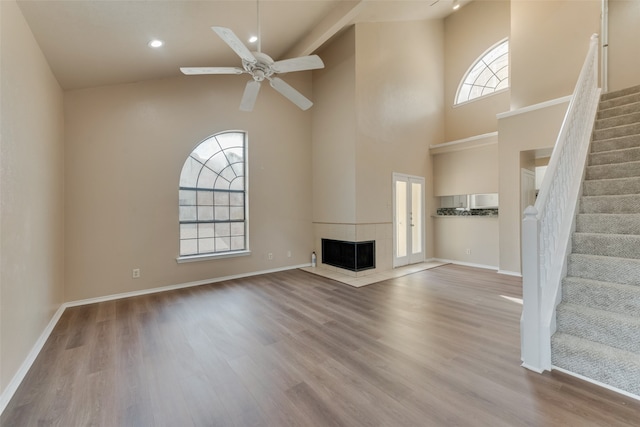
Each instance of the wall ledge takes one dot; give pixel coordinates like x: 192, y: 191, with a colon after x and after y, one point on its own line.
x: 465, y: 143
x: 534, y: 107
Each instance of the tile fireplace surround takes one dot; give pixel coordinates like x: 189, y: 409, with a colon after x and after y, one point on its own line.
x: 380, y: 233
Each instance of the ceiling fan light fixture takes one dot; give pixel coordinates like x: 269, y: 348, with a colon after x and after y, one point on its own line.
x: 253, y: 39
x: 155, y: 43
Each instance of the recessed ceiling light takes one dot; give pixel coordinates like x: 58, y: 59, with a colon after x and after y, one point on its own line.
x: 253, y: 39
x: 155, y: 43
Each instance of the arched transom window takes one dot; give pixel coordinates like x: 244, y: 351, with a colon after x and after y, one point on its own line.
x: 213, y: 199
x: 489, y: 74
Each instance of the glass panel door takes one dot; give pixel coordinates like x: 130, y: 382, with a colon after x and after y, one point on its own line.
x: 416, y: 217
x: 408, y: 219
x: 401, y: 215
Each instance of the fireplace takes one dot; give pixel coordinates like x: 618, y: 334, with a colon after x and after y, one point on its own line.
x: 354, y: 256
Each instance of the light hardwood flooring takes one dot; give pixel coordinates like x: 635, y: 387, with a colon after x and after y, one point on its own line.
x: 436, y: 348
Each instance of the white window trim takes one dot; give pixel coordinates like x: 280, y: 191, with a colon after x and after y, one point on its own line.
x: 211, y: 256
x: 506, y: 89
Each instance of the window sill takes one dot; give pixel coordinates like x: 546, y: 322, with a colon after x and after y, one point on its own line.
x: 209, y: 257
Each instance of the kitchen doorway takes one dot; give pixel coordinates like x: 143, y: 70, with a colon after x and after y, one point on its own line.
x: 408, y: 219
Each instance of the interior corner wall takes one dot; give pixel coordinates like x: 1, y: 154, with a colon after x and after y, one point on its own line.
x: 624, y: 49
x: 532, y: 130
x: 468, y: 33
x: 31, y: 193
x: 549, y: 42
x: 334, y: 133
x: 125, y: 148
x: 399, y: 105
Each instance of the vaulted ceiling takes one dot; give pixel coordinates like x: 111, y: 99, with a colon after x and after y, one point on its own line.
x: 99, y: 42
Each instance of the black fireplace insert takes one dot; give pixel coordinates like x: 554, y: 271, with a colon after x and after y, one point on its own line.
x: 354, y: 256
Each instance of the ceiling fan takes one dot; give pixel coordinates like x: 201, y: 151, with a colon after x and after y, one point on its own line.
x: 260, y: 66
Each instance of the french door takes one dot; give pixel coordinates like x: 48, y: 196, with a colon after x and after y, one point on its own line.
x: 408, y: 219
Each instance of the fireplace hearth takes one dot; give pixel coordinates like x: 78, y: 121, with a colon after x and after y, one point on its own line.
x: 354, y: 256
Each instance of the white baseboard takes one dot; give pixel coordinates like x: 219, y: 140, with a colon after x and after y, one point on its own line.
x: 510, y: 273
x: 17, y: 379
x: 178, y: 286
x: 598, y: 383
x: 532, y: 368
x: 466, y: 264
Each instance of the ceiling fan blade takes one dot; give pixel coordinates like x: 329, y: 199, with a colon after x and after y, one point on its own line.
x: 250, y: 95
x: 211, y: 70
x: 303, y: 63
x: 234, y: 43
x: 290, y: 93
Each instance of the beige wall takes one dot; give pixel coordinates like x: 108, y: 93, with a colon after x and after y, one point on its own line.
x: 468, y: 33
x: 454, y: 235
x: 624, y: 48
x: 549, y: 42
x: 334, y: 133
x: 518, y: 132
x: 470, y: 171
x: 400, y: 113
x: 399, y: 103
x: 31, y: 192
x: 125, y: 148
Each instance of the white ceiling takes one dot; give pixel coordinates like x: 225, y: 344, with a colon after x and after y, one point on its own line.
x: 100, y: 42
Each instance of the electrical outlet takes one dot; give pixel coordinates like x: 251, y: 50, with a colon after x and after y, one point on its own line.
x: 270, y: 255
x: 288, y: 254
x: 135, y: 273
x: 468, y: 251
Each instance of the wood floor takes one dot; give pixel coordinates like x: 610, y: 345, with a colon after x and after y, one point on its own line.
x: 435, y: 348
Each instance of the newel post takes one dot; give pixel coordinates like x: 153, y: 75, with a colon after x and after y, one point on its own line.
x: 530, y: 324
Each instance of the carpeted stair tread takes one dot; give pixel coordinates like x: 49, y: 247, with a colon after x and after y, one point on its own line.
x: 608, y: 223
x: 619, y: 100
x: 620, y: 93
x: 615, y: 132
x: 619, y: 110
x: 619, y: 120
x: 605, y: 327
x: 620, y: 170
x: 624, y: 203
x: 608, y: 365
x: 615, y: 156
x: 611, y: 186
x: 612, y: 245
x: 625, y: 271
x: 613, y: 297
x: 619, y: 143
x: 615, y: 186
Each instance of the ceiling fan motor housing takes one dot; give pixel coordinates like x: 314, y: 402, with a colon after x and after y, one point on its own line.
x: 261, y: 69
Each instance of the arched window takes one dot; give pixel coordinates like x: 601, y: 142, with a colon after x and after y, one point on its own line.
x: 489, y: 74
x: 213, y: 197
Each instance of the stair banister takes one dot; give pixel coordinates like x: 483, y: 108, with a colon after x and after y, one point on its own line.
x: 547, y: 226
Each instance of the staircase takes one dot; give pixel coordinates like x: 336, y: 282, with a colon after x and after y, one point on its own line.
x: 598, y: 320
